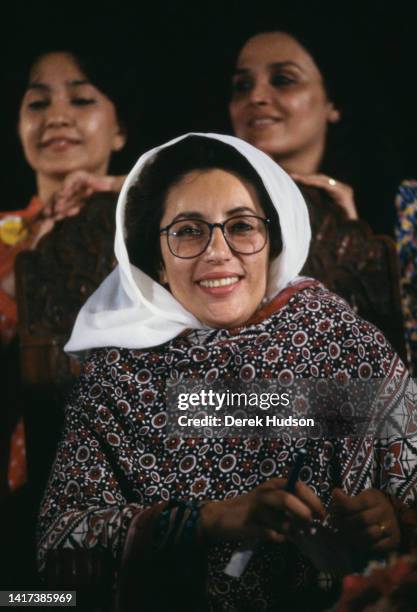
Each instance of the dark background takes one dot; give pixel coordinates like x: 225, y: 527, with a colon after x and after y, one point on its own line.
x: 173, y: 59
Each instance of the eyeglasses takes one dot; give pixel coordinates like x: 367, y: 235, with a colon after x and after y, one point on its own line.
x: 244, y: 234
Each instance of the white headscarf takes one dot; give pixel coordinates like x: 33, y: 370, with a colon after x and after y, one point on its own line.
x: 131, y: 310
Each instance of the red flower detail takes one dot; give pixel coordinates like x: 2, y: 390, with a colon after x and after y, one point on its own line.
x: 147, y: 397
x: 200, y: 485
x: 324, y: 325
x: 391, y: 465
x: 272, y: 354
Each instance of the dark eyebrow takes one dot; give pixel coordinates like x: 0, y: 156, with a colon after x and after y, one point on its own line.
x: 77, y: 82
x: 198, y: 215
x: 241, y: 209
x: 188, y: 215
x: 38, y: 85
x: 284, y: 64
x: 273, y: 65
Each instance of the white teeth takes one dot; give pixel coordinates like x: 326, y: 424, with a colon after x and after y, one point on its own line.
x: 265, y: 121
x: 219, y: 282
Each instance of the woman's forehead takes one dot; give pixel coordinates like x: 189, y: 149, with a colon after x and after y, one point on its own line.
x: 56, y: 66
x: 268, y: 48
x: 213, y: 190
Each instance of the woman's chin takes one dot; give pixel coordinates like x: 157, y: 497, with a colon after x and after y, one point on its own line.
x: 225, y: 317
x: 269, y: 141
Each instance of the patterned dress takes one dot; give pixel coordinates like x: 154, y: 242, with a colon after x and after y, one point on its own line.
x: 406, y: 234
x: 16, y: 235
x: 116, y: 468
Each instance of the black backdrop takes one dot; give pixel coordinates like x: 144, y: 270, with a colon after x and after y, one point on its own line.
x: 177, y: 58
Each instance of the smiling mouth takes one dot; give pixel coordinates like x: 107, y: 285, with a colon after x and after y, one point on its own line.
x: 218, y: 282
x: 58, y: 142
x: 264, y: 122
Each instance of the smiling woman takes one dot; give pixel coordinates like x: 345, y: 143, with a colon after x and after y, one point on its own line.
x: 218, y: 231
x: 279, y: 101
x: 289, y: 97
x: 211, y: 235
x: 68, y: 122
x: 220, y: 285
x: 283, y: 104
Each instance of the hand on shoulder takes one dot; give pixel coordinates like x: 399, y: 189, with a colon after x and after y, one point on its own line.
x: 341, y: 193
x: 77, y: 187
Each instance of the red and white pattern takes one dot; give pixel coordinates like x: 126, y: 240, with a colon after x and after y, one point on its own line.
x: 115, y: 459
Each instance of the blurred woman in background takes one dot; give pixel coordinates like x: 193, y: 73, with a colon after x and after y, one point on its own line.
x: 286, y: 98
x: 282, y: 104
x: 68, y: 122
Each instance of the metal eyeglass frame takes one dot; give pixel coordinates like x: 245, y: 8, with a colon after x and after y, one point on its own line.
x: 211, y: 226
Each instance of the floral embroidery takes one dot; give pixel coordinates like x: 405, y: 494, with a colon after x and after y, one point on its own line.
x: 126, y: 464
x: 406, y: 234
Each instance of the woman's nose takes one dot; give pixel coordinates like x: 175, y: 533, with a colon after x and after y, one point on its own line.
x: 218, y: 247
x: 260, y: 93
x: 59, y: 114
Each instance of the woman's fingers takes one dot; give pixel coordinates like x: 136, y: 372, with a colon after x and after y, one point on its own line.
x: 270, y: 535
x: 268, y: 512
x: 279, y: 507
x: 303, y: 493
x: 368, y: 516
x: 366, y: 500
x: 77, y: 187
x: 369, y: 525
x: 341, y: 193
x: 364, y: 519
x: 350, y: 504
x: 308, y: 496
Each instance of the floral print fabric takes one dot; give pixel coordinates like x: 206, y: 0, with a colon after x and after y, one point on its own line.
x: 115, y: 460
x: 406, y: 235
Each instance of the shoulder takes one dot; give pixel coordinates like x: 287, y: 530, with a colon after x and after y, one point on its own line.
x: 119, y: 364
x: 328, y: 333
x: 111, y: 374
x: 33, y: 207
x: 118, y: 391
x: 322, y: 304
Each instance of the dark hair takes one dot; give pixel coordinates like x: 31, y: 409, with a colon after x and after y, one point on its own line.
x: 102, y: 70
x: 98, y: 73
x: 328, y: 50
x: 146, y: 198
x: 325, y: 47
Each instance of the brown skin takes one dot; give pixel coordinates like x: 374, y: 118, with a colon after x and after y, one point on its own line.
x: 66, y: 124
x: 279, y: 104
x: 80, y: 185
x: 215, y: 196
x: 267, y: 513
x: 68, y: 129
x: 362, y: 516
x: 293, y: 99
